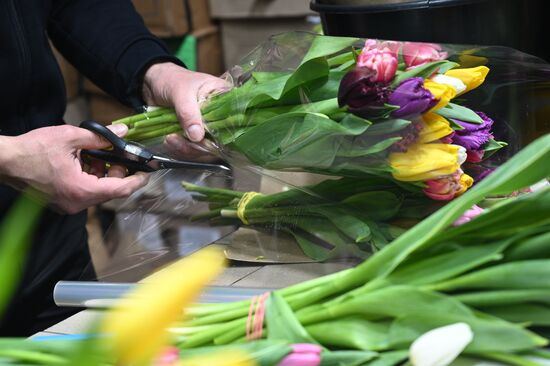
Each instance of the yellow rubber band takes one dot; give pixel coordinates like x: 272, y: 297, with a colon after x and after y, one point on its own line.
x: 241, y: 206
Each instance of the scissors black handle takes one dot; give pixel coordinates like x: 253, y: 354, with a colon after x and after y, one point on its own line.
x: 117, y: 142
x: 115, y: 158
x: 118, y: 153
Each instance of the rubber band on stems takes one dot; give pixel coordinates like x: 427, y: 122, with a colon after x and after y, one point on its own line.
x: 256, y: 315
x: 241, y: 206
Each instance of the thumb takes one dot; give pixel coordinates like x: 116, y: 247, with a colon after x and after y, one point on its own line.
x: 189, y: 115
x: 86, y: 139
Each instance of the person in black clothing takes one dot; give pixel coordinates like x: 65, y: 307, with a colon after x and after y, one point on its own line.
x: 108, y: 42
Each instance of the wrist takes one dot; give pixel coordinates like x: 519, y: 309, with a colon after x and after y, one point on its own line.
x: 154, y: 77
x: 9, y: 154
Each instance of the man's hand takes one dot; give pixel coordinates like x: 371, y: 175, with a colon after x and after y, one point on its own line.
x: 167, y: 84
x: 47, y: 159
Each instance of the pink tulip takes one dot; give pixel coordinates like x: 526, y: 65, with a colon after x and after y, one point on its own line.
x: 448, y: 187
x: 169, y: 357
x: 416, y: 54
x: 469, y: 215
x: 380, y: 59
x: 475, y: 156
x: 303, y: 354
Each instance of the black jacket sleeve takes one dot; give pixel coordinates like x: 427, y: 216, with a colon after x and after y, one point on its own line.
x: 108, y: 42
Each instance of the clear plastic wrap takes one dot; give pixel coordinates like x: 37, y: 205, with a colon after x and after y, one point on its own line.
x: 337, y: 144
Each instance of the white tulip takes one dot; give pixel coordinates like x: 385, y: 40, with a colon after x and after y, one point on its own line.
x: 449, y: 80
x: 440, y: 346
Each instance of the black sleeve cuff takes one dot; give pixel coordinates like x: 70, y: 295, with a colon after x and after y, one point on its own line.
x: 134, y: 62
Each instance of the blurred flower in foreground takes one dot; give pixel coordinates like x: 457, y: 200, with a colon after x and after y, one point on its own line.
x: 412, y: 98
x: 303, y: 354
x: 362, y: 94
x: 416, y: 54
x: 440, y: 346
x: 469, y: 215
x: 139, y: 322
x: 472, y: 77
x: 422, y: 162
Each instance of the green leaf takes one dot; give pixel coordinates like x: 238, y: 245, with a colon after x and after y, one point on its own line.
x: 391, y: 358
x: 282, y: 324
x: 491, y: 147
x: 531, y: 314
x: 16, y: 233
x: 296, y: 140
x: 387, y: 126
x: 431, y: 269
x: 325, y: 46
x: 534, y: 247
x: 459, y: 112
x: 512, y: 275
x: 353, y: 333
x: 358, y: 230
x: 423, y: 71
x: 346, y: 358
x: 376, y: 205
x: 486, y: 298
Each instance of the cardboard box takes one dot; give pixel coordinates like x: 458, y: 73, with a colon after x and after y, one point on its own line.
x: 247, y: 23
x: 206, y: 55
x: 240, y: 37
x: 105, y: 109
x: 245, y: 9
x: 173, y: 18
x: 70, y: 75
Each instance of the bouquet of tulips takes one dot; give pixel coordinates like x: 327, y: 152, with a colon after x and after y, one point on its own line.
x: 347, y: 107
x: 347, y: 216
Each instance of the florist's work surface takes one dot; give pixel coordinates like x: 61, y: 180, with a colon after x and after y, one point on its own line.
x: 323, y: 104
x: 480, y: 289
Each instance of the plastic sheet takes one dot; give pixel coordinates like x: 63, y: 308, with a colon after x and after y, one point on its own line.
x: 337, y: 145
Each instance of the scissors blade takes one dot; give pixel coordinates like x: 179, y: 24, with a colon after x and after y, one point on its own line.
x: 159, y: 162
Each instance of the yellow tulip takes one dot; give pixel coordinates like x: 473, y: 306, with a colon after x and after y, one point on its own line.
x: 425, y: 161
x: 434, y: 127
x: 465, y: 182
x: 139, y: 322
x: 472, y: 77
x: 442, y: 92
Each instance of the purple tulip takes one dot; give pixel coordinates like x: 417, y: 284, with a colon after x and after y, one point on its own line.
x: 362, y: 94
x: 474, y: 135
x: 412, y: 98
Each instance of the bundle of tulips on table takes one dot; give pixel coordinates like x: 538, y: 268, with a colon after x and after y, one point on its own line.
x: 388, y: 117
x: 478, y: 291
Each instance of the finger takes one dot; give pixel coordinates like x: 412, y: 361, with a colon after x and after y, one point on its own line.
x: 108, y: 188
x: 181, y: 148
x: 97, y: 168
x: 213, y: 86
x: 82, y: 138
x: 189, y: 115
x: 117, y: 171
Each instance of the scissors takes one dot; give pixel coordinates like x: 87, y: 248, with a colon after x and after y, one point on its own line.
x: 135, y: 157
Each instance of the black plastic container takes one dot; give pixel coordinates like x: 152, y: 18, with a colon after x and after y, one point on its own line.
x: 512, y: 23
